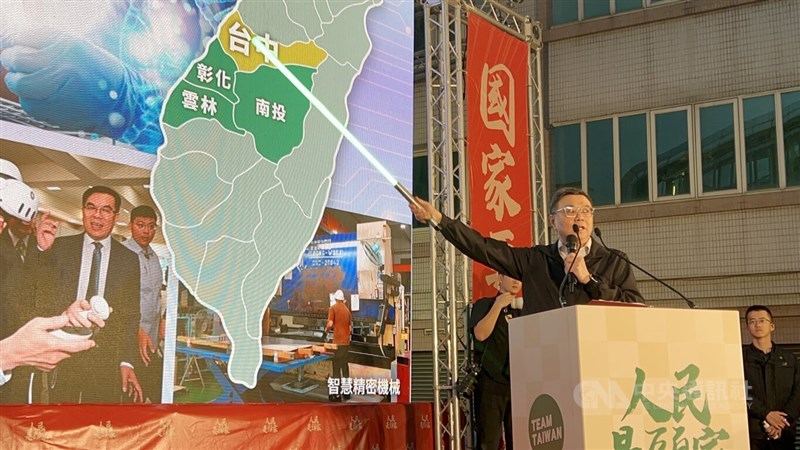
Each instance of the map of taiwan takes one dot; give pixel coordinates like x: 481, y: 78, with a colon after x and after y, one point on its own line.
x: 245, y: 172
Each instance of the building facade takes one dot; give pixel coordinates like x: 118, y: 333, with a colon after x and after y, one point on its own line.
x: 682, y: 121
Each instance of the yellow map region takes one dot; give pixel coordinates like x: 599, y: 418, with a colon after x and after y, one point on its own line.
x: 248, y: 59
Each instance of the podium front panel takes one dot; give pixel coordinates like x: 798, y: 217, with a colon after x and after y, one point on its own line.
x: 600, y: 377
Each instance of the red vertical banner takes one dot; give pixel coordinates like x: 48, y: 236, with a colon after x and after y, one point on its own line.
x: 498, y: 150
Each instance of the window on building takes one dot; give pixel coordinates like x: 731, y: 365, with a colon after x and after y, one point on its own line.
x: 600, y: 151
x: 717, y: 148
x: 790, y: 107
x: 567, y: 11
x: 567, y: 156
x: 627, y: 5
x: 673, y: 177
x: 633, y: 181
x: 564, y: 11
x: 596, y: 8
x: 718, y: 160
x: 760, y: 142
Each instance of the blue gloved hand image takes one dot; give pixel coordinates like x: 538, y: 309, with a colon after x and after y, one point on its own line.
x: 67, y: 82
x: 71, y: 83
x: 110, y: 79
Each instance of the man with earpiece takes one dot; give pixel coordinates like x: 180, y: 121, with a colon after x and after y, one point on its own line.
x: 488, y: 323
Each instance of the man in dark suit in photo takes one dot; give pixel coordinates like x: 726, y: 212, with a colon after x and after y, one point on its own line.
x: 83, y: 266
x: 21, y: 242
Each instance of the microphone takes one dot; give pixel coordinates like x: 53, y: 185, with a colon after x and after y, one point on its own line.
x: 572, y: 244
x: 514, y: 309
x: 622, y: 257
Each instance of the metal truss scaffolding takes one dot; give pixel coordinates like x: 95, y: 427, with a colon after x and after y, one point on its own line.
x: 445, y: 45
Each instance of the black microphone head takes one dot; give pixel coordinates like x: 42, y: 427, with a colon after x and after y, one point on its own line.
x: 572, y: 243
x: 597, y: 232
x: 575, y: 229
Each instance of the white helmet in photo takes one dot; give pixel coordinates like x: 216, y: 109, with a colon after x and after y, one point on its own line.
x: 18, y: 200
x: 9, y: 170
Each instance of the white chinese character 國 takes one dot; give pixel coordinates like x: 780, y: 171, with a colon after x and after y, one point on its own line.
x: 239, y: 39
x: 262, y: 107
x: 279, y: 112
x: 189, y: 100
x: 209, y: 105
x: 497, y: 100
x: 205, y: 73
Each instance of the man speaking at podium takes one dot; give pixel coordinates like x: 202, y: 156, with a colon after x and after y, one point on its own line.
x: 596, y: 273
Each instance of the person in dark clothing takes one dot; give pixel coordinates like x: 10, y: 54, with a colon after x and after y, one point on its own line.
x: 83, y: 266
x: 598, y: 273
x: 143, y: 231
x: 773, y: 384
x: 21, y: 243
x: 489, y: 326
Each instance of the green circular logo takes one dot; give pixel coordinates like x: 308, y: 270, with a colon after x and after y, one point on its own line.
x: 545, y: 424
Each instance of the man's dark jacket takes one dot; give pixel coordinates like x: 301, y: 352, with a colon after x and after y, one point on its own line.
x: 17, y: 307
x: 773, y: 382
x: 94, y: 375
x: 541, y: 269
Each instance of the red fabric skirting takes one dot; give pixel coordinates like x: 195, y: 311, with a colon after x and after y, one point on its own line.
x: 282, y: 426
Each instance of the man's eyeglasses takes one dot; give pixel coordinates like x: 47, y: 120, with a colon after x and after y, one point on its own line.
x: 145, y: 226
x: 571, y: 211
x: 105, y: 211
x: 758, y: 321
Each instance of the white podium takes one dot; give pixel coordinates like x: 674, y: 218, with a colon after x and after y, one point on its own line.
x: 614, y: 377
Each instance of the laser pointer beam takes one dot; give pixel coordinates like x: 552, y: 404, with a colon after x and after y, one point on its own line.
x: 262, y: 47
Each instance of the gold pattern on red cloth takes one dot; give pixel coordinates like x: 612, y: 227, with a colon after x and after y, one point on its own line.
x: 269, y: 426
